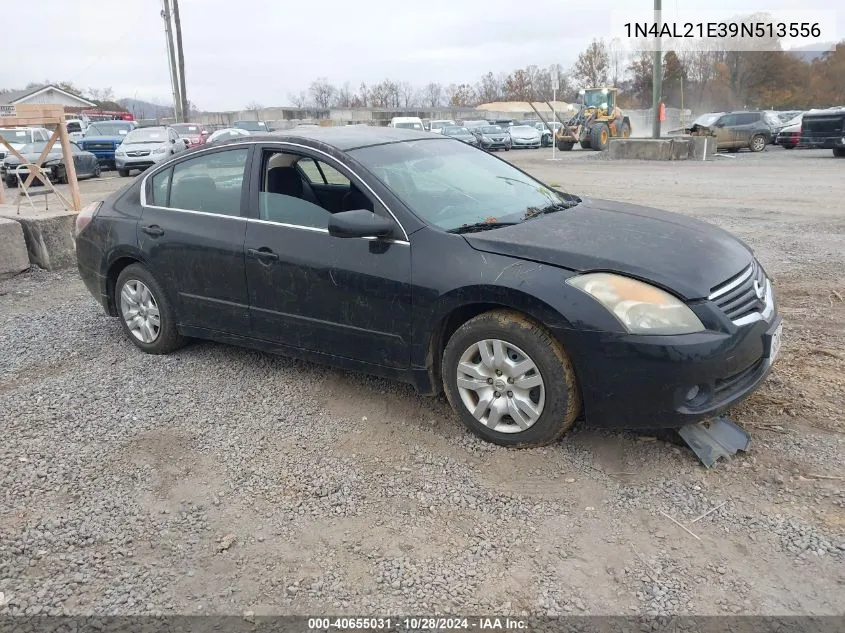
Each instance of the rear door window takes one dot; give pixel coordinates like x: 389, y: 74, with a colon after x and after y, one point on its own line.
x: 211, y: 183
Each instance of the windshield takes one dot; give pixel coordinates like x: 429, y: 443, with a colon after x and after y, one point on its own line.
x: 595, y: 98
x: 109, y: 129
x: 251, y: 126
x: 16, y: 136
x: 455, y: 131
x: 181, y: 128
x: 37, y: 148
x: 450, y: 184
x: 146, y: 135
x: 408, y: 125
x: 492, y: 129
x: 771, y: 118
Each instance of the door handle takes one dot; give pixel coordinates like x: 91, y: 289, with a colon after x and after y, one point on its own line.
x: 153, y: 229
x: 263, y: 254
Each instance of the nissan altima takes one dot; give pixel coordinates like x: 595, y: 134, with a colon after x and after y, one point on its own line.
x: 408, y: 255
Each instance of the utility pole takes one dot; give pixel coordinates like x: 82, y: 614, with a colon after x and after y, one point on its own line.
x: 656, y: 75
x: 174, y: 77
x: 180, y: 62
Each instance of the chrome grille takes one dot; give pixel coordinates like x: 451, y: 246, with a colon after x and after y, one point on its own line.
x: 740, y: 295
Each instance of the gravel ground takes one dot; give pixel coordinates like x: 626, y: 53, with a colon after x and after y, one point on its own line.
x: 221, y: 480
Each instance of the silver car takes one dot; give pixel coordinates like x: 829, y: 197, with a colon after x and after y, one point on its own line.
x: 145, y: 146
x: 525, y: 136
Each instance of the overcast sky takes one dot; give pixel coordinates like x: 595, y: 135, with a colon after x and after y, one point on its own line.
x: 238, y: 51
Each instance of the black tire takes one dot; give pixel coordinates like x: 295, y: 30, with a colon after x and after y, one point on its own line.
x: 757, y: 143
x: 788, y: 146
x: 585, y: 142
x: 600, y: 136
x: 123, y: 173
x: 562, y: 400
x: 11, y: 183
x: 61, y: 176
x: 626, y: 130
x: 168, y: 338
x: 97, y: 171
x: 565, y: 146
x: 839, y: 152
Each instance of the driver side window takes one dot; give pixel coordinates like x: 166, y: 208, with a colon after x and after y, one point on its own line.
x: 304, y: 192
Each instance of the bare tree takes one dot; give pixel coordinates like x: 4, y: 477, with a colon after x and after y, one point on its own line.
x: 616, y: 59
x: 518, y: 86
x: 432, y: 95
x: 343, y: 96
x: 592, y: 66
x: 363, y: 95
x: 254, y: 106
x: 490, y: 88
x: 298, y: 100
x: 322, y: 92
x: 461, y: 95
x: 407, y: 93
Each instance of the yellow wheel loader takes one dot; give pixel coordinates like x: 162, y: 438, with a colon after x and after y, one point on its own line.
x: 594, y: 122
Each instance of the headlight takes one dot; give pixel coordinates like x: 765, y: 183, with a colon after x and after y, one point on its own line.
x: 159, y: 150
x: 119, y: 152
x: 641, y: 308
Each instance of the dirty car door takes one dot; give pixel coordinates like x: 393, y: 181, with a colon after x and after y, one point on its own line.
x: 724, y: 131
x: 191, y: 232
x: 348, y: 297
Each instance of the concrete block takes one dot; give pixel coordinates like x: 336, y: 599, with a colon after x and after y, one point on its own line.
x: 673, y: 148
x: 48, y: 235
x: 14, y: 258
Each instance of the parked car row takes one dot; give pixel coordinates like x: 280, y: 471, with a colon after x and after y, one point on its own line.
x: 752, y: 130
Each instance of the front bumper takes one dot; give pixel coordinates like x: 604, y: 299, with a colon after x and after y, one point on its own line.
x: 633, y: 381
x: 518, y: 142
x: 138, y: 162
x: 500, y: 144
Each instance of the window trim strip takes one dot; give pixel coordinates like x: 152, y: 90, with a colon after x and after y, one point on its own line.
x: 172, y: 163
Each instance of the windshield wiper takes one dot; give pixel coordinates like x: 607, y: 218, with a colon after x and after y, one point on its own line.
x: 533, y: 212
x: 479, y: 226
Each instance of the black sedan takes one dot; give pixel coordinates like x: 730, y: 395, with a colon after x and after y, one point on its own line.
x: 87, y: 165
x: 408, y: 255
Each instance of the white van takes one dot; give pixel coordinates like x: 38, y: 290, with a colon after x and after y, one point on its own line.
x: 407, y: 122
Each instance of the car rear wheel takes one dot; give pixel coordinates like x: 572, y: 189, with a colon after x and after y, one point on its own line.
x: 97, y: 171
x: 758, y: 143
x: 123, y: 173
x: 839, y: 152
x: 510, y: 381
x: 145, y: 312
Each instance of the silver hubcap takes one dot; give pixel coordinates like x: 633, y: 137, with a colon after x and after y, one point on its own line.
x: 758, y: 143
x: 140, y: 311
x: 501, y: 386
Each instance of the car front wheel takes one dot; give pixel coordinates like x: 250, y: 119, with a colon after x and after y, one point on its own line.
x: 510, y: 381
x: 145, y: 313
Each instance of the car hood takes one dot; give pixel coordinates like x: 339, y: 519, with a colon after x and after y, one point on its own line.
x: 683, y: 255
x: 147, y: 145
x: 102, y: 139
x: 11, y: 159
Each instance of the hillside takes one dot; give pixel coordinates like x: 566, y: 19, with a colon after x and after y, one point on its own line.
x: 145, y: 109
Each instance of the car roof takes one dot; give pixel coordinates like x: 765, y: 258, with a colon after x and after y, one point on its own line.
x: 342, y: 138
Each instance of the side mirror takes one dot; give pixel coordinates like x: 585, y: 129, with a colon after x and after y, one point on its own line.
x: 359, y: 223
